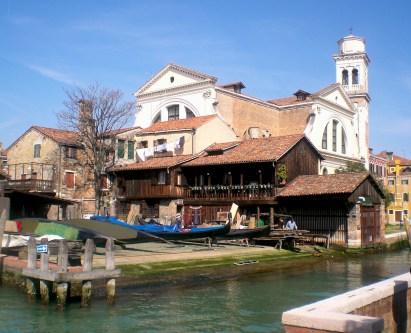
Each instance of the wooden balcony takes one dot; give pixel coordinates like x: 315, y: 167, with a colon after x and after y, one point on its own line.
x: 144, y: 189
x: 263, y: 192
x: 31, y: 185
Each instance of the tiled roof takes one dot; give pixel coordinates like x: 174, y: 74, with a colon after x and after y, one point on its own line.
x: 58, y: 135
x: 119, y: 131
x: 154, y: 163
x: 180, y: 124
x: 403, y: 160
x: 222, y: 146
x: 252, y: 150
x: 340, y: 183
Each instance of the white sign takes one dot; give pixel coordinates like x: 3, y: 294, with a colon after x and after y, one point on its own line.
x: 42, y: 248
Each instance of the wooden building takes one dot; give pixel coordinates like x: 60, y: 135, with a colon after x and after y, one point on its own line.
x: 347, y: 206
x: 249, y: 173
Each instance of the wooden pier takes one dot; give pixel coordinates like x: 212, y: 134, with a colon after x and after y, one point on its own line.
x: 39, y: 278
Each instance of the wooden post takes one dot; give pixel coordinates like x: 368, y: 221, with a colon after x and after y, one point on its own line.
x: 61, y: 293
x: 258, y: 214
x: 62, y: 259
x: 44, y: 292
x: 44, y: 267
x: 30, y: 289
x: 110, y: 264
x: 88, y: 256
x: 271, y: 218
x: 31, y: 253
x: 44, y: 257
x: 87, y: 267
x: 111, y: 291
x: 86, y: 294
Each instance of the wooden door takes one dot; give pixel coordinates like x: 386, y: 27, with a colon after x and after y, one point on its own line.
x: 370, y: 225
x: 398, y: 216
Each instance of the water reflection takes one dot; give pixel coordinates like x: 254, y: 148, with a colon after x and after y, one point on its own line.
x: 252, y: 304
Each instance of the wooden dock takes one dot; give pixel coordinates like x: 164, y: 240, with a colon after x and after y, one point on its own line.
x: 279, y: 237
x: 47, y: 281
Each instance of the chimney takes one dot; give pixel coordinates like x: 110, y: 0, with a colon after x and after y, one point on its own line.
x: 85, y: 116
x: 234, y: 87
x: 370, y: 151
x: 301, y: 95
x: 389, y: 155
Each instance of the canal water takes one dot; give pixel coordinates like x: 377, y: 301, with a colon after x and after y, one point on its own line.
x: 251, y: 304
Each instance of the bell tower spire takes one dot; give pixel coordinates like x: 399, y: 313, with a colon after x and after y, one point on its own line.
x: 351, y: 64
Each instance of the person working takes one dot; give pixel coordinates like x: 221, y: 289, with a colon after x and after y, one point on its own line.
x: 291, y: 225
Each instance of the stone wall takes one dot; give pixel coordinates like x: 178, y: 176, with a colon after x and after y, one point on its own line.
x: 383, y: 306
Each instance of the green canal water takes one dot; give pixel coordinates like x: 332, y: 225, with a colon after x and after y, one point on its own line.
x: 251, y: 304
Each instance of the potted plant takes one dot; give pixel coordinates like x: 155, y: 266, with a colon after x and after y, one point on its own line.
x: 281, y: 173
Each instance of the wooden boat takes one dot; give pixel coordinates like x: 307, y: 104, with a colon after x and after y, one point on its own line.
x: 112, y: 227
x: 247, y: 233
x: 44, y: 227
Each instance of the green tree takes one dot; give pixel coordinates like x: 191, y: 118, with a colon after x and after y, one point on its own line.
x: 351, y: 167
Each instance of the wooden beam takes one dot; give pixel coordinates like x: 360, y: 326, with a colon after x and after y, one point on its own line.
x: 88, y: 255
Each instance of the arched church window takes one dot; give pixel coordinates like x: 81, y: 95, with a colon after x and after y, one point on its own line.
x: 355, y: 76
x: 335, y: 123
x: 157, y: 118
x: 325, y: 136
x: 325, y: 171
x: 343, y: 141
x: 189, y: 113
x: 173, y: 112
x: 345, y: 77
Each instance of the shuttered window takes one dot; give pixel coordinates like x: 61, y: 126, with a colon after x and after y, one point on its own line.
x: 69, y: 179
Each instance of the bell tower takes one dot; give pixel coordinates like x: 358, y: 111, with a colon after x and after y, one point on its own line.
x: 351, y: 64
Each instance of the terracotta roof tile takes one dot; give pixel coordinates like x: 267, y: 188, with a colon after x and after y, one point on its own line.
x: 154, y: 163
x: 119, y: 131
x: 180, y: 124
x: 222, y: 146
x: 340, y: 183
x: 58, y: 135
x: 291, y: 100
x: 253, y: 150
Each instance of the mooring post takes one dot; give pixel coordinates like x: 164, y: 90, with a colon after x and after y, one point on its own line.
x: 87, y: 267
x: 110, y: 265
x: 44, y: 267
x: 62, y: 263
x: 61, y: 294
x: 31, y: 264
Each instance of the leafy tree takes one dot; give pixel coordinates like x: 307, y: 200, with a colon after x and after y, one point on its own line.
x: 351, y: 167
x: 95, y: 112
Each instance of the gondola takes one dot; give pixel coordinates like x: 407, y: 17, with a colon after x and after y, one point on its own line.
x: 246, y: 233
x: 112, y: 227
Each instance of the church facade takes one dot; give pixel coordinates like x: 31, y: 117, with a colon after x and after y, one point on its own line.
x: 334, y: 119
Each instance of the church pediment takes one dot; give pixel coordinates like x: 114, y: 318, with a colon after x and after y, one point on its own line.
x: 336, y: 95
x: 173, y: 76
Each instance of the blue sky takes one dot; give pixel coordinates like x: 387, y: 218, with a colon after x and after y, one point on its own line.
x: 274, y: 47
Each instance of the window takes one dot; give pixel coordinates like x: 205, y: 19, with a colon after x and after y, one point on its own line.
x: 405, y: 197
x: 161, y: 177
x: 355, y: 76
x: 390, y: 212
x: 325, y: 133
x: 345, y: 77
x: 405, y: 211
x: 391, y: 196
x: 71, y: 152
x: 173, y: 113
x: 130, y: 150
x: 343, y: 137
x: 142, y: 144
x: 104, y: 182
x: 325, y: 171
x: 335, y: 122
x: 69, y: 180
x: 36, y: 150
x: 120, y: 149
x: 404, y: 181
x: 189, y: 113
x: 160, y: 145
x: 391, y: 182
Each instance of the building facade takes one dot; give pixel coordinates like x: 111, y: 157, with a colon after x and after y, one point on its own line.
x: 334, y: 119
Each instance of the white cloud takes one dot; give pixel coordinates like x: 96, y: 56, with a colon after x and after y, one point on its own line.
x: 54, y: 75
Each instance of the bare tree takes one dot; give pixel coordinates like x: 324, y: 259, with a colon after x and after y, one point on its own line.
x: 95, y: 113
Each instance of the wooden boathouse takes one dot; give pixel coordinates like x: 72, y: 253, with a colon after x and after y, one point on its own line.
x: 249, y: 173
x: 347, y: 206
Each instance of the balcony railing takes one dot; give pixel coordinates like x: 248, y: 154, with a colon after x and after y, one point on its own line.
x: 34, y: 185
x: 144, y: 189
x: 355, y: 88
x: 231, y: 192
